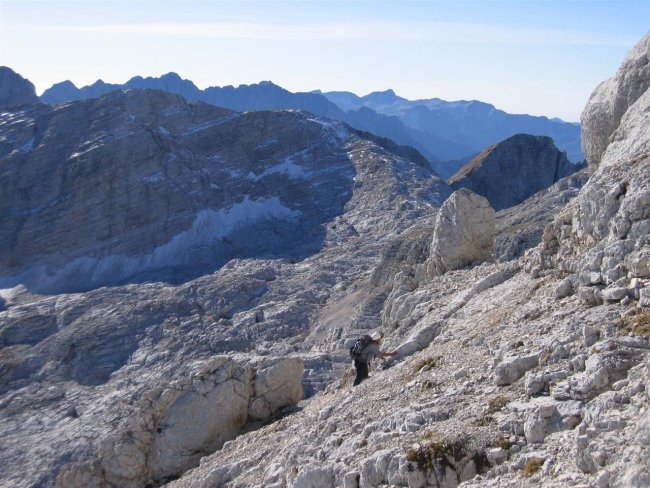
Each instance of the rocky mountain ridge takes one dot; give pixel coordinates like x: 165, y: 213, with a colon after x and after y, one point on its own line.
x: 195, y: 186
x: 15, y: 90
x: 511, y: 171
x: 469, y: 122
x: 525, y: 370
x: 443, y: 131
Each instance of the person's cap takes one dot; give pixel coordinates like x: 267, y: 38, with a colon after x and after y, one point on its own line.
x: 376, y: 336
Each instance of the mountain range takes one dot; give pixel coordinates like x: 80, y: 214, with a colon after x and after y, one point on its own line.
x: 448, y: 134
x: 180, y: 285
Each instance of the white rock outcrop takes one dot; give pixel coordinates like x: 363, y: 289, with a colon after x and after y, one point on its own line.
x: 174, y: 426
x: 611, y: 100
x: 464, y: 232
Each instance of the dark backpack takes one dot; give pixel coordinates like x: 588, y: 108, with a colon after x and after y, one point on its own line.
x: 359, y: 345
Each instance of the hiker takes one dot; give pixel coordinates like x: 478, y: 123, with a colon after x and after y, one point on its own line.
x: 363, y: 351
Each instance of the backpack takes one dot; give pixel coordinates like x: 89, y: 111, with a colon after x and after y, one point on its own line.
x: 359, y: 345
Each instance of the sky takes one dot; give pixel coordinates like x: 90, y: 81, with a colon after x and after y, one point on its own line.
x: 540, y: 57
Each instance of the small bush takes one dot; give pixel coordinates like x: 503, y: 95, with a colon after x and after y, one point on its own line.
x: 496, y: 404
x: 504, y: 444
x: 431, y: 362
x: 484, y: 420
x: 426, y: 455
x: 637, y: 324
x: 532, y: 467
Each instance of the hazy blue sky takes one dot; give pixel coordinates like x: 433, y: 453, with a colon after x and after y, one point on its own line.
x: 537, y: 57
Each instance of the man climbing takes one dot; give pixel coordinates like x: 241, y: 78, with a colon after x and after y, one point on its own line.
x: 363, y: 350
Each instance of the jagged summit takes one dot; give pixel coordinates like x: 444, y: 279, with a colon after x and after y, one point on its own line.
x: 509, y: 172
x: 449, y: 132
x: 382, y: 97
x: 15, y: 90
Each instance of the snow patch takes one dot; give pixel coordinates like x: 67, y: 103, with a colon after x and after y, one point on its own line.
x: 155, y: 178
x: 292, y: 170
x: 209, y: 227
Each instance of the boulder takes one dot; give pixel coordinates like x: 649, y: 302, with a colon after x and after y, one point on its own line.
x: 511, y: 368
x: 177, y: 425
x: 464, y: 233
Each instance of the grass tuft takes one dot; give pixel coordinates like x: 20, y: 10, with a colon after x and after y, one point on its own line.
x: 636, y: 324
x: 532, y: 467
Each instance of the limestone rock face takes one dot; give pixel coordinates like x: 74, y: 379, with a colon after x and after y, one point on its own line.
x: 611, y: 100
x: 602, y: 235
x: 175, y: 424
x: 463, y: 233
x: 521, y: 227
x: 15, y: 90
x: 509, y: 172
x: 502, y: 367
x: 141, y: 185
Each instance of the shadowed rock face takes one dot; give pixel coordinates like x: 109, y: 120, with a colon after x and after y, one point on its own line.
x: 141, y: 184
x: 513, y: 170
x: 15, y: 90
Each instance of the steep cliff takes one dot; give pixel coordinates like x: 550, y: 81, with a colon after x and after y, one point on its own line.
x: 511, y: 171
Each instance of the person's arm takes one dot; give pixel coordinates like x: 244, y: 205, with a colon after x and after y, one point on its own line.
x: 386, y: 354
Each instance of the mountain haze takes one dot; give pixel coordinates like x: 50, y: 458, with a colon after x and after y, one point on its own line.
x: 470, y: 123
x: 448, y: 134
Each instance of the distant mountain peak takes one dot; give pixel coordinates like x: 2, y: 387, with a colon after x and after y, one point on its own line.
x: 15, y: 90
x: 386, y: 96
x: 509, y: 172
x: 171, y: 76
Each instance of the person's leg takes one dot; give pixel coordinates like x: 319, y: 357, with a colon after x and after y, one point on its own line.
x: 362, y: 371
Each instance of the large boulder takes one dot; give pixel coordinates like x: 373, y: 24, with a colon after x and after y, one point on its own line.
x: 511, y: 171
x: 611, y: 100
x: 15, y: 90
x: 176, y: 425
x: 464, y: 232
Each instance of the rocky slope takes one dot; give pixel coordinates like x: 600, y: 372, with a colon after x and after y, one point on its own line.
x: 301, y: 208
x: 511, y: 171
x: 533, y: 376
x: 528, y: 372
